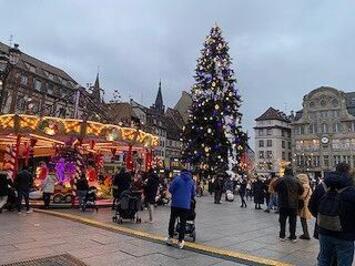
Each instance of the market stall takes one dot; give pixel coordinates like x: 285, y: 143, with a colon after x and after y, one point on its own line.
x: 72, y: 146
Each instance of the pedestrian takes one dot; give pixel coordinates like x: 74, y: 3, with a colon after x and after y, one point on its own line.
x: 4, y: 190
x: 210, y: 185
x: 182, y: 190
x: 242, y: 191
x: 303, y: 211
x: 218, y: 189
x: 121, y: 182
x: 82, y: 188
x: 48, y: 187
x: 258, y: 190
x: 333, y: 203
x: 248, y: 191
x: 273, y: 203
x: 288, y: 189
x: 150, y: 192
x: 266, y: 190
x: 23, y: 183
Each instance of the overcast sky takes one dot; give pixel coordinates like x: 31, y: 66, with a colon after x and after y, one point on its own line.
x: 281, y: 49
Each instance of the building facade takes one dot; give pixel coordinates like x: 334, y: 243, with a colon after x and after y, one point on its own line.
x: 273, y: 146
x: 324, y: 131
x: 36, y: 87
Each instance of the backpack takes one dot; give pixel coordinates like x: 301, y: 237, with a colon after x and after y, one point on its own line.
x: 330, y: 209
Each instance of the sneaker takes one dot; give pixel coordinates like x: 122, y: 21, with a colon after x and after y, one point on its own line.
x: 293, y: 240
x: 181, y: 244
x: 169, y: 241
x: 282, y: 239
x: 29, y: 211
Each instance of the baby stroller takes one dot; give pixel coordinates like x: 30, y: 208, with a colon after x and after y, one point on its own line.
x: 190, y: 223
x: 229, y: 196
x: 90, y: 200
x: 128, y: 207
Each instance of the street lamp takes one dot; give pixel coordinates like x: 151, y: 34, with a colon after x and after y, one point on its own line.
x: 7, y: 61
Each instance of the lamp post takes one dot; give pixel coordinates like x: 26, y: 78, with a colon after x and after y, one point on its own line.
x: 7, y: 62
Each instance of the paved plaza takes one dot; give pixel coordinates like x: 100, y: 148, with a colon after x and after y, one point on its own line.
x: 24, y: 237
x: 231, y: 227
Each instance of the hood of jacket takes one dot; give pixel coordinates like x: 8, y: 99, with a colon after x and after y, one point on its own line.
x: 337, y: 180
x: 185, y: 175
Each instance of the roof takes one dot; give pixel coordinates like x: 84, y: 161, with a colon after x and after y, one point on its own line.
x: 183, y: 105
x: 176, y: 117
x: 40, y: 66
x: 273, y: 114
x: 172, y: 130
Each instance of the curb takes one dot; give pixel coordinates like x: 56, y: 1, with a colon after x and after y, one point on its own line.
x: 195, y: 247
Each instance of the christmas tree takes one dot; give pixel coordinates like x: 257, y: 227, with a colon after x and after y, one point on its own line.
x: 213, y: 136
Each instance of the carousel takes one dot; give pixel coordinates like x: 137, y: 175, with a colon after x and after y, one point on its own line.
x: 72, y: 147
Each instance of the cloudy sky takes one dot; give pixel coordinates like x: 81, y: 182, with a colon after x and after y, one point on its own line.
x: 281, y: 49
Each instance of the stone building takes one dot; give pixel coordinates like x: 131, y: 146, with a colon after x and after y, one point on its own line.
x: 324, y: 131
x: 183, y: 105
x: 36, y: 87
x: 273, y: 146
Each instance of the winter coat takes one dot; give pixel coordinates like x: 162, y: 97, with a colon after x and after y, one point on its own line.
x: 259, y: 192
x: 288, y: 189
x: 347, y: 218
x: 23, y: 180
x: 122, y: 181
x: 218, y: 184
x: 151, y: 188
x: 4, y: 185
x: 307, y: 193
x: 49, y: 183
x: 243, y: 187
x: 182, y: 190
x: 82, y: 184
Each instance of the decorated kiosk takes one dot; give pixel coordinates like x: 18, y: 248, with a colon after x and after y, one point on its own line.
x: 72, y: 147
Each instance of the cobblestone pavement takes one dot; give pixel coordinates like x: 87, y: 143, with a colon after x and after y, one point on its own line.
x: 231, y: 227
x: 24, y: 237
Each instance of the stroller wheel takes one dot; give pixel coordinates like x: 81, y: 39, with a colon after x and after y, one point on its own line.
x: 114, y: 219
x: 138, y: 220
x: 120, y: 221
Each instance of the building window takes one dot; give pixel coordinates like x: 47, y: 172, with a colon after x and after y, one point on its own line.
x: 283, y: 156
x: 289, y: 156
x: 269, y: 131
x: 269, y: 143
x: 261, y: 143
x: 324, y: 128
x: 283, y: 144
x: 326, y: 160
x: 261, y: 155
x: 282, y: 132
x: 269, y: 154
x: 261, y: 132
x: 24, y: 80
x: 37, y: 85
x: 302, y: 130
x: 289, y: 145
x: 336, y: 127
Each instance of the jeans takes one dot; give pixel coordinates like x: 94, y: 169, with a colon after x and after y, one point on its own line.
x: 81, y: 196
x: 23, y: 194
x: 291, y: 214
x: 272, y: 202
x: 46, y: 199
x: 331, y: 247
x: 150, y: 211
x: 181, y: 213
x: 244, y: 204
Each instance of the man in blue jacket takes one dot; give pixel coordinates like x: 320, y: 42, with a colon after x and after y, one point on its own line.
x: 182, y: 191
x: 337, y: 245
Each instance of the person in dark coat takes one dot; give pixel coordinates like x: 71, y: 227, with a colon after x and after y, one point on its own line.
x: 23, y: 183
x: 218, y: 189
x: 242, y: 191
x: 258, y: 190
x: 121, y: 182
x: 150, y: 192
x: 289, y: 189
x: 82, y: 188
x: 4, y: 189
x: 337, y: 245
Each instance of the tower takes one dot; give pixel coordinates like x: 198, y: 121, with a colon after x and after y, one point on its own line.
x: 158, y: 105
x: 96, y: 90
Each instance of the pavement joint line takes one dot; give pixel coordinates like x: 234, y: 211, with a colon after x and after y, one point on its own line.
x: 190, y: 246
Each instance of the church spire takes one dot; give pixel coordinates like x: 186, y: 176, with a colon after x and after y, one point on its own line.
x: 159, y: 105
x: 96, y: 90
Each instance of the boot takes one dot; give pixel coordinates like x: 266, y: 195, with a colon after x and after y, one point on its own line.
x: 305, y: 235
